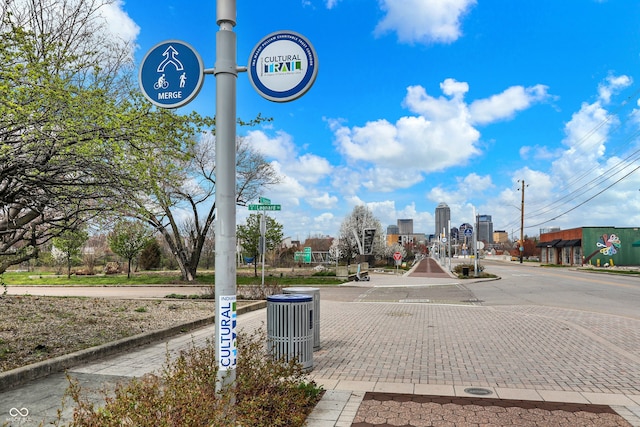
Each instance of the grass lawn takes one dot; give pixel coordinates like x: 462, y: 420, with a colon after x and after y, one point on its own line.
x: 154, y: 278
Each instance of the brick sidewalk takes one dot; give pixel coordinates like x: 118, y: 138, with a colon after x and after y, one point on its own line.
x: 377, y: 350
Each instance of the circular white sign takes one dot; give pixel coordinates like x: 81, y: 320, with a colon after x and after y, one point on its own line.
x: 283, y: 66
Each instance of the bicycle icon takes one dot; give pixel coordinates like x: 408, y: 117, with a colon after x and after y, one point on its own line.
x: 161, y: 83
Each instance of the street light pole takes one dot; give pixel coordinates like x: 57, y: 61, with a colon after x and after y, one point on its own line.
x: 226, y: 73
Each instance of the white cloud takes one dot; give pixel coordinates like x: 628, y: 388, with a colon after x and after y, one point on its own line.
x: 613, y: 85
x: 537, y: 152
x: 322, y: 201
x: 424, y: 21
x: 120, y: 24
x: 386, y: 180
x: 442, y: 133
x: 280, y: 147
x: 474, y: 184
x: 506, y: 104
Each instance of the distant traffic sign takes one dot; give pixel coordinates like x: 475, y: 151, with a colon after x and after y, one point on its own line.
x: 171, y: 74
x: 264, y: 207
x: 397, y: 256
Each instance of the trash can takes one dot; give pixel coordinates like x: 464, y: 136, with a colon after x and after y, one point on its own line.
x: 290, y: 328
x: 465, y: 271
x: 315, y: 293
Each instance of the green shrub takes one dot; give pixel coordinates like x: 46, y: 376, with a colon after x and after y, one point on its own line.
x: 458, y: 269
x: 267, y: 392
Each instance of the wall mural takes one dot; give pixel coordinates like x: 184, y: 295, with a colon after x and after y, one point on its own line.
x: 608, y: 245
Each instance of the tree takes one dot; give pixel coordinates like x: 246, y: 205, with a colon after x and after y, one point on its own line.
x: 72, y: 122
x: 249, y: 236
x: 151, y: 256
x: 190, y: 192
x: 361, y: 218
x: 128, y: 239
x: 69, y: 244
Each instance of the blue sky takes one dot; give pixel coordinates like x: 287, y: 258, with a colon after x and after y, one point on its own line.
x: 419, y: 102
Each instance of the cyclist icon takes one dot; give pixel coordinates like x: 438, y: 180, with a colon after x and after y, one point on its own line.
x: 161, y: 83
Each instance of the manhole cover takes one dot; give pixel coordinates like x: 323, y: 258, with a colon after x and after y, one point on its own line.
x: 478, y: 391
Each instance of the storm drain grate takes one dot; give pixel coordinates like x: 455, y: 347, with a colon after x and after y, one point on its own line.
x: 478, y: 391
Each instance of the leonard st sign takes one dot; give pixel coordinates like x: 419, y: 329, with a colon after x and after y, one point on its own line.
x: 171, y: 74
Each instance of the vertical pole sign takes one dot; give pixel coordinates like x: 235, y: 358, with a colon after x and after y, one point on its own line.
x: 283, y: 68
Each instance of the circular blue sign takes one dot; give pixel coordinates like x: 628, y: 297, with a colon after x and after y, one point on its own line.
x: 171, y: 74
x: 283, y: 66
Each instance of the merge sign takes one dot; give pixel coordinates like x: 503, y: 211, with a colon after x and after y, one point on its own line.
x: 283, y: 66
x: 171, y: 74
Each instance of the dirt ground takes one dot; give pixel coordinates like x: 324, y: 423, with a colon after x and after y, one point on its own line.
x: 36, y: 328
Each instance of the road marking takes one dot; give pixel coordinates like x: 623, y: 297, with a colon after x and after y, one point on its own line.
x: 602, y: 282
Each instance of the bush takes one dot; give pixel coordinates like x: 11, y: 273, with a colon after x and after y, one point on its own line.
x: 267, y: 392
x: 259, y: 291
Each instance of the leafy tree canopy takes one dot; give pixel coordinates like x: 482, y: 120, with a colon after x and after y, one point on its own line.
x: 76, y: 136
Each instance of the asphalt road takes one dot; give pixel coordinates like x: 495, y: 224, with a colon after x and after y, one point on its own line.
x: 523, y: 284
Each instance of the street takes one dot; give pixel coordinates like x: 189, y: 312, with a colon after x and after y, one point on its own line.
x: 523, y: 284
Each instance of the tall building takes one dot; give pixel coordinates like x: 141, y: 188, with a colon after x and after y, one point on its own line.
x: 484, y: 228
x: 405, y: 226
x: 443, y: 216
x: 500, y: 236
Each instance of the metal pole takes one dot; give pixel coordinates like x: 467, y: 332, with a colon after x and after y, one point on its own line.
x: 263, y: 243
x: 226, y: 73
x: 475, y: 244
x: 449, y: 242
x: 521, y: 248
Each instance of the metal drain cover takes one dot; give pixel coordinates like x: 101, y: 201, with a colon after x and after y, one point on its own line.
x: 478, y: 391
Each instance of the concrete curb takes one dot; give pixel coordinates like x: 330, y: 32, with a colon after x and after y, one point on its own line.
x: 19, y: 376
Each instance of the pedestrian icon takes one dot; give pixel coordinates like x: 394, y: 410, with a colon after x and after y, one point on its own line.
x: 171, y: 74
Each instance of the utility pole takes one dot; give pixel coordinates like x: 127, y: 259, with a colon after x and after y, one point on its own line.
x: 521, y: 248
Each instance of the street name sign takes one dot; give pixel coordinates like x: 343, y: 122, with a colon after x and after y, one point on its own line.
x: 283, y: 66
x: 171, y: 74
x: 264, y: 201
x: 265, y: 207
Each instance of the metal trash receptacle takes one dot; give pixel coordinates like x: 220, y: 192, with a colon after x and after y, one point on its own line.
x: 290, y: 328
x: 315, y: 293
x: 465, y: 271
